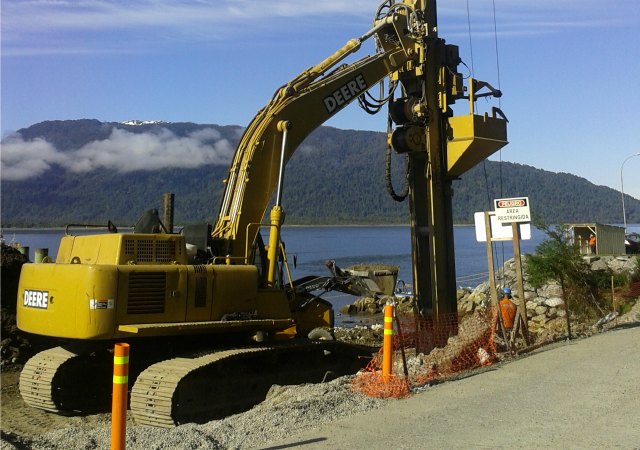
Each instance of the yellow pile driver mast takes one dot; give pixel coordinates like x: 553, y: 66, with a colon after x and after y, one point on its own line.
x: 440, y: 148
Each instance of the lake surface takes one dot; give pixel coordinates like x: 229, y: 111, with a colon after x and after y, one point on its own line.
x: 348, y: 245
x: 385, y: 245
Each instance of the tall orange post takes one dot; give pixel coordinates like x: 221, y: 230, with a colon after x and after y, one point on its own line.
x: 119, y: 402
x: 387, y: 344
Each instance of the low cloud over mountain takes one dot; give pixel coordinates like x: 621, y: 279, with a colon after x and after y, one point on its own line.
x: 123, y: 151
x: 336, y: 177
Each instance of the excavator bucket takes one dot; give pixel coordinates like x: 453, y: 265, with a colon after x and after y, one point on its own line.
x: 472, y: 139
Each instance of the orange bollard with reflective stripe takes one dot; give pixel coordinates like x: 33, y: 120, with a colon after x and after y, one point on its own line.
x: 119, y: 402
x: 387, y: 343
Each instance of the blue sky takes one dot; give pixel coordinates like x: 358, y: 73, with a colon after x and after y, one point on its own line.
x: 568, y: 69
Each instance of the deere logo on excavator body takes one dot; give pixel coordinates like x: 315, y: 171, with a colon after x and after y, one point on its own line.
x: 345, y: 93
x: 35, y: 299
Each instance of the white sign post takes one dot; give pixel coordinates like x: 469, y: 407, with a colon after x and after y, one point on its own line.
x: 499, y: 231
x: 510, y: 219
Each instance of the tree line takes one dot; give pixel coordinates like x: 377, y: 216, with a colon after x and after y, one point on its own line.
x: 335, y: 177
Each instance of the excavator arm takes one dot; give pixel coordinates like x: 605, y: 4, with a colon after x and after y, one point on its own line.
x: 300, y: 106
x: 439, y: 146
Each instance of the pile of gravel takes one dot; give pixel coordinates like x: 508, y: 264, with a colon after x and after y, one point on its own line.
x: 287, y: 410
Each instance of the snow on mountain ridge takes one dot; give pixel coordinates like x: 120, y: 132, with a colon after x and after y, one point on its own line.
x: 136, y: 122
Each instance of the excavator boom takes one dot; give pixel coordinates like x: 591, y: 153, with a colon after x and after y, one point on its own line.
x: 306, y: 102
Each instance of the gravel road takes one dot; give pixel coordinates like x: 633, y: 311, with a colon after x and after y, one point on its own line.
x: 581, y: 394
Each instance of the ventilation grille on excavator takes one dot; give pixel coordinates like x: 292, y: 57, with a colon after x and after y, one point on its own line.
x: 146, y: 293
x: 151, y: 251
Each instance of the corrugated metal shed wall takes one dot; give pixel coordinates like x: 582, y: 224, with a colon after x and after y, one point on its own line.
x: 610, y: 239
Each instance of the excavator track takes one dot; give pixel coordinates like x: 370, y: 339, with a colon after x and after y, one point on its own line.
x: 212, y: 386
x: 36, y: 378
x: 62, y: 381
x: 152, y: 396
x: 203, y: 386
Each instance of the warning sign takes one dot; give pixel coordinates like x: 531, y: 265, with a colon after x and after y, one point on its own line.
x: 510, y: 210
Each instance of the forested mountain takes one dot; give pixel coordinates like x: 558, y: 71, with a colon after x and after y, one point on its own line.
x: 60, y: 172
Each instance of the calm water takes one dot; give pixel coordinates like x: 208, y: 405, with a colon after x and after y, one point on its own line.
x: 385, y: 245
x: 348, y: 246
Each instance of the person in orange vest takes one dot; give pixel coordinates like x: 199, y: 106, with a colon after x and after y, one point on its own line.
x: 507, y: 309
x: 592, y: 243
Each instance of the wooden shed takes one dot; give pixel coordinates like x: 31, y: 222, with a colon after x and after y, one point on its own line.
x: 609, y: 238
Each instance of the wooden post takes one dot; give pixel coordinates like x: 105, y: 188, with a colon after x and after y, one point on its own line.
x: 492, y: 277
x: 613, y: 298
x: 24, y: 250
x: 40, y: 254
x: 167, y: 201
x: 518, y: 260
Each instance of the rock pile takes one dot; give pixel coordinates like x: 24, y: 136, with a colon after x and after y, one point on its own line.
x: 372, y: 306
x: 545, y: 306
x: 370, y: 335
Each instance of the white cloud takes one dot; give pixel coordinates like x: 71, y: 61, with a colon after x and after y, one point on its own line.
x: 108, y: 26
x: 26, y: 159
x: 123, y: 151
x: 43, y: 16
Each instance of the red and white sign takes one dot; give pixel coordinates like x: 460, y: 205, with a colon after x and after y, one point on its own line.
x: 511, y: 203
x: 509, y: 210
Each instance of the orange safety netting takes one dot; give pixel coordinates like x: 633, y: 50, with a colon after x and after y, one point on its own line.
x: 425, y: 350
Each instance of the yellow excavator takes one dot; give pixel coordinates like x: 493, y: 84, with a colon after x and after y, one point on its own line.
x: 181, y: 299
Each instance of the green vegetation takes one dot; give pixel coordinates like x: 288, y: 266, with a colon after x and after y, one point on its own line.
x: 557, y: 259
x: 335, y: 177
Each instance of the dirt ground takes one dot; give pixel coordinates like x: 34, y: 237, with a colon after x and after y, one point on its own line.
x: 19, y: 421
x: 20, y: 424
x: 572, y: 394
